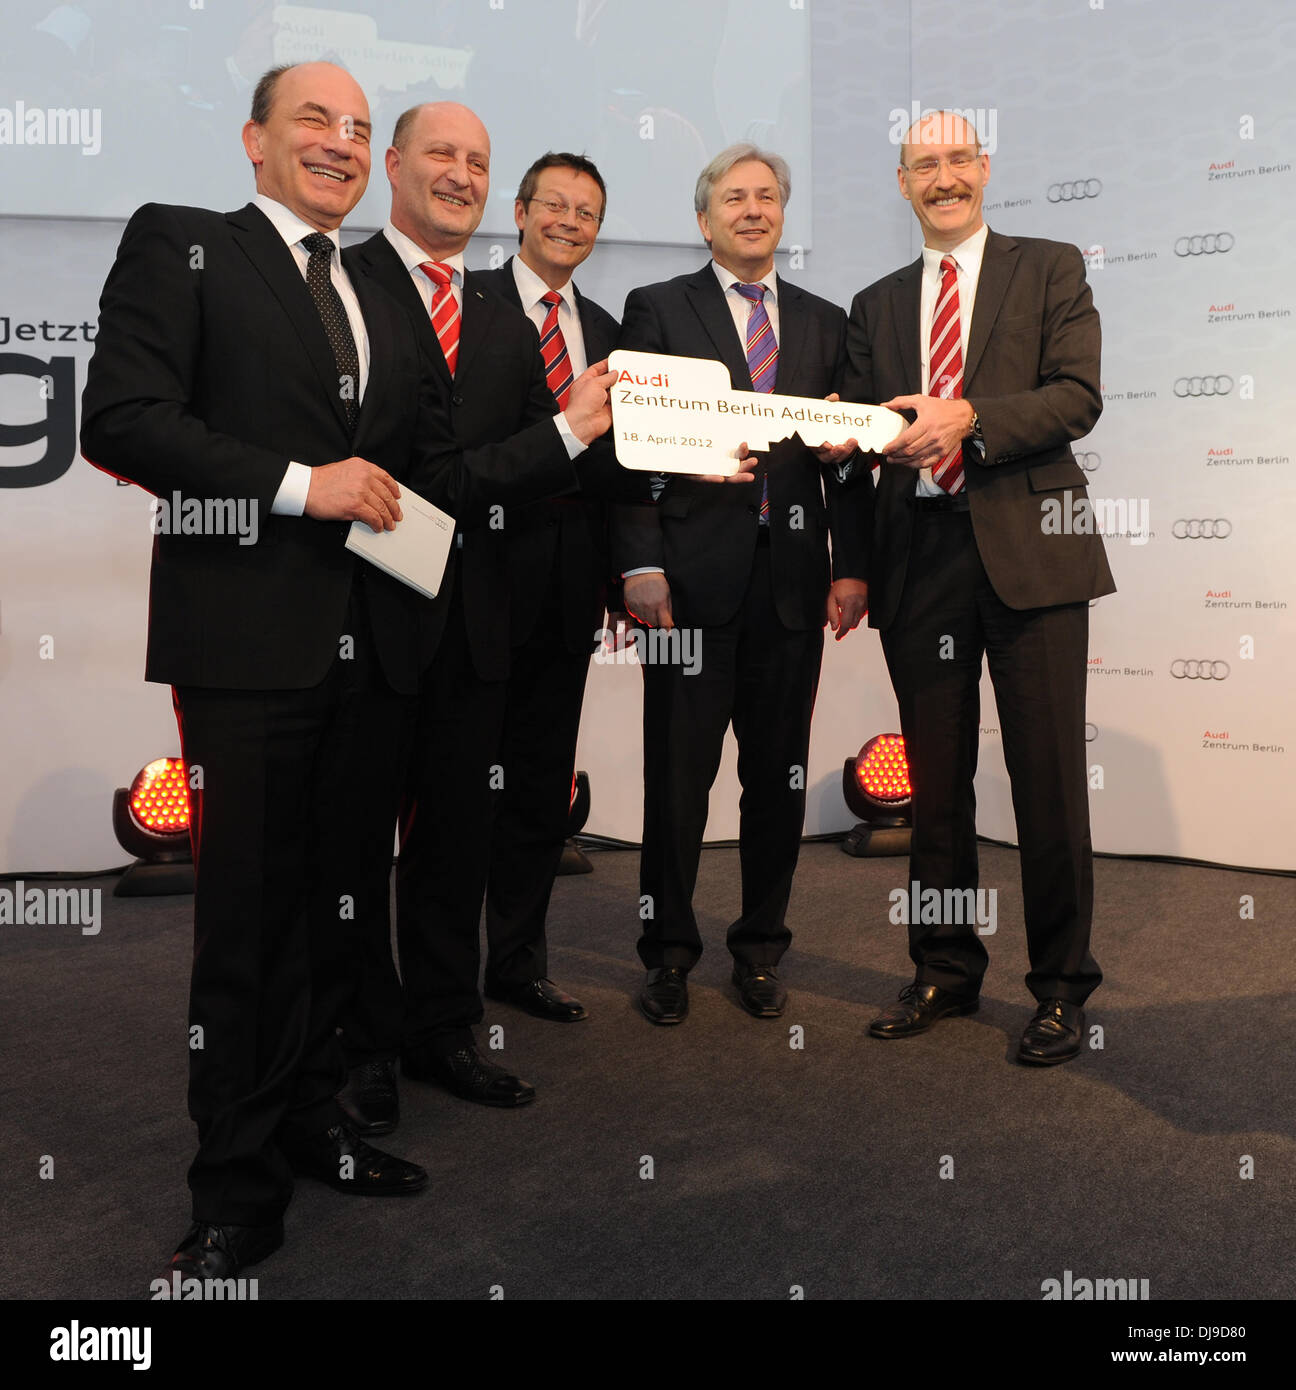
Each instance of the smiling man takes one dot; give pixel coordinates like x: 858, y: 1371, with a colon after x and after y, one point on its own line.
x: 237, y: 359
x: 993, y: 343
x: 749, y: 568
x: 559, y: 566
x: 487, y: 358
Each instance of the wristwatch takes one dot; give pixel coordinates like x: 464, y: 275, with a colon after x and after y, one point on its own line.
x: 976, y: 423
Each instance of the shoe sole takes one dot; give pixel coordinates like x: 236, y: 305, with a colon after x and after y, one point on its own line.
x: 663, y: 1022
x: 351, y: 1190
x: 1047, y: 1061
x: 961, y: 1012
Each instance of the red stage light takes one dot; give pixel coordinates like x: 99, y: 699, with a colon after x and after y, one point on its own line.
x: 159, y: 797
x: 882, y: 770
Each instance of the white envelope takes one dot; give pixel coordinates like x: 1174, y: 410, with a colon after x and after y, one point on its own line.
x: 416, y: 551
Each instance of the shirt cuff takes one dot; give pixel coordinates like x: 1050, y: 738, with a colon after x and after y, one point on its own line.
x: 573, y: 445
x: 290, y: 500
x: 643, y: 569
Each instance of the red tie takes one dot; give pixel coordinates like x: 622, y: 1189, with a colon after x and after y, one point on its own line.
x: 553, y: 348
x: 444, y: 310
x: 945, y: 376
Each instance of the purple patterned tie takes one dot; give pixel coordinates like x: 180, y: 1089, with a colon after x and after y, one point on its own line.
x: 762, y: 360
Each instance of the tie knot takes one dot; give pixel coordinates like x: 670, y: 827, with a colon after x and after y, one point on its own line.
x: 949, y: 266
x: 438, y: 271
x: 318, y: 244
x: 753, y: 292
x: 551, y: 300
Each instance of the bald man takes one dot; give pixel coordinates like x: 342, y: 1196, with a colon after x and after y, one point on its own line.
x: 237, y: 360
x: 486, y: 356
x: 992, y: 342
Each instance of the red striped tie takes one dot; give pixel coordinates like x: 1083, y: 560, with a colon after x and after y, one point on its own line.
x: 553, y: 348
x: 945, y: 376
x: 444, y: 310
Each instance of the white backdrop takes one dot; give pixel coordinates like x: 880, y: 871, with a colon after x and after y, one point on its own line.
x: 1156, y: 136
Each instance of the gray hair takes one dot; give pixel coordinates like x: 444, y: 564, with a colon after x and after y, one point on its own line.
x: 739, y: 154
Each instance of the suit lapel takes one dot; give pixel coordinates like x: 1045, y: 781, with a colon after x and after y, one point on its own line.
x: 378, y: 257
x: 257, y: 238
x: 506, y: 284
x: 474, y: 323
x: 597, y: 343
x: 707, y: 298
x: 791, y: 336
x: 906, y: 309
x: 997, y: 265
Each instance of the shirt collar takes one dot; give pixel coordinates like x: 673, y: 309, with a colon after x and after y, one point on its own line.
x: 413, y: 255
x: 967, y: 254
x: 288, y: 224
x: 728, y: 280
x: 531, y: 288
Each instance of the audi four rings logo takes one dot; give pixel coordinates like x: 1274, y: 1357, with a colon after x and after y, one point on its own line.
x: 1073, y: 191
x: 1196, y: 530
x: 1203, y: 386
x: 1088, y: 460
x: 1206, y: 245
x: 1183, y: 670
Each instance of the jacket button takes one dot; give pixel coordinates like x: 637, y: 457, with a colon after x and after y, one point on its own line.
x: 457, y: 400
x: 751, y: 510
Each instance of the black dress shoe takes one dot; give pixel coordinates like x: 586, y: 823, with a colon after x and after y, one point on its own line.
x: 664, y: 997
x: 340, y: 1158
x: 760, y: 991
x: 1053, y: 1035
x: 467, y: 1074
x: 541, y: 999
x: 369, y: 1099
x: 920, y: 1006
x: 216, y: 1252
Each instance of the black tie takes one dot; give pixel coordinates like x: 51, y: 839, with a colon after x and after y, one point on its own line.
x: 333, y: 314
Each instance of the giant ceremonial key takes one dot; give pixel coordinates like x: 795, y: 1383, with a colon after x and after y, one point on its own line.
x: 682, y: 415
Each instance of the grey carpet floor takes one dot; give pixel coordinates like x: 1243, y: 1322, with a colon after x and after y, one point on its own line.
x: 772, y: 1167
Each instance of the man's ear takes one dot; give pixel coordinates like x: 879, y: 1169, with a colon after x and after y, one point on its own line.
x: 252, y: 142
x: 391, y: 162
x: 519, y: 213
x: 704, y: 226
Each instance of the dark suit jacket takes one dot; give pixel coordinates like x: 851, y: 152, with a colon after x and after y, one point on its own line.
x: 1032, y: 373
x: 211, y: 372
x: 575, y: 528
x: 704, y: 534
x: 499, y: 388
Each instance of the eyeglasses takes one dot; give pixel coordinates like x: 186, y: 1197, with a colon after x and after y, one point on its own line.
x: 958, y: 164
x: 583, y: 215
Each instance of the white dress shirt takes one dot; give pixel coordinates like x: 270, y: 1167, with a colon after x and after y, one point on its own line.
x: 967, y: 256
x: 290, y: 500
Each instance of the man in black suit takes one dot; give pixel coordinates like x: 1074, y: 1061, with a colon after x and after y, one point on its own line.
x: 993, y: 342
x: 559, y: 568
x: 439, y: 170
x: 236, y: 361
x: 748, y: 569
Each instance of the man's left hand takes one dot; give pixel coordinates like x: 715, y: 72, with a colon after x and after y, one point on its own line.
x: 939, y: 426
x: 836, y: 454
x: 847, y: 604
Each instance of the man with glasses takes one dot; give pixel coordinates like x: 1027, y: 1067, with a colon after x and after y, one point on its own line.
x: 993, y: 343
x: 559, y: 568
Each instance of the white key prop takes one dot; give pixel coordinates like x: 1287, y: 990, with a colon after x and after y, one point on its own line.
x: 682, y: 415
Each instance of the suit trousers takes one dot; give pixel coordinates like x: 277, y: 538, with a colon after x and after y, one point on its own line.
x: 947, y: 618
x: 762, y: 677
x: 285, y: 829
x: 546, y: 688
x: 445, y: 840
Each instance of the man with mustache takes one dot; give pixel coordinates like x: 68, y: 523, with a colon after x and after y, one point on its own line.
x: 993, y: 342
